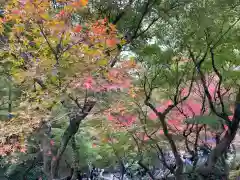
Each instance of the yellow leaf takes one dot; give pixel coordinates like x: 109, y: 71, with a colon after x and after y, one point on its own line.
x: 45, y: 16
x: 1, y: 29
x: 18, y: 28
x: 123, y: 41
x: 102, y: 62
x: 18, y: 77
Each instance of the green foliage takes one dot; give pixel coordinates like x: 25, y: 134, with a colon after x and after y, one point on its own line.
x: 189, y: 26
x: 212, y: 121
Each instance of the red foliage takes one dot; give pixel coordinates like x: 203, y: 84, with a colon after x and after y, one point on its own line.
x: 125, y: 120
x: 111, y: 42
x: 88, y: 83
x: 190, y: 108
x: 77, y: 28
x: 52, y: 142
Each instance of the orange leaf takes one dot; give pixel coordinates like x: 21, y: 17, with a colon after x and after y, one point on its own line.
x: 84, y: 2
x: 111, y: 42
x: 76, y: 4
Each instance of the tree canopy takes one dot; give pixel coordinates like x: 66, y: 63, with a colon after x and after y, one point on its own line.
x: 142, y: 88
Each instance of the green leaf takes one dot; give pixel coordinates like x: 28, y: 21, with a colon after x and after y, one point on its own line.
x: 4, y: 112
x: 227, y: 108
x: 98, y: 157
x: 211, y: 120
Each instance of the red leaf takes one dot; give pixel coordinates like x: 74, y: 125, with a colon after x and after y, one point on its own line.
x: 15, y: 11
x: 110, y: 117
x: 52, y: 142
x: 94, y: 145
x: 88, y: 83
x: 62, y: 13
x: 174, y: 122
x: 145, y: 138
x: 78, y: 28
x: 23, y: 149
x: 161, y: 132
x: 230, y: 117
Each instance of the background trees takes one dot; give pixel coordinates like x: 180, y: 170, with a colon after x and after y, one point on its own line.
x: 120, y: 84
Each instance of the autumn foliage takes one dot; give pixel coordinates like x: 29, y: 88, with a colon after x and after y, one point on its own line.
x: 55, y: 58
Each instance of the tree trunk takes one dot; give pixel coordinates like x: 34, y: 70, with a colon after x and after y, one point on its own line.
x: 68, y: 134
x: 45, y: 148
x: 221, y: 148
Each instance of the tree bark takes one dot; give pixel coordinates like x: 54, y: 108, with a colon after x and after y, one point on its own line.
x: 68, y: 134
x: 45, y: 148
x: 179, y: 163
x: 75, y: 160
x: 221, y: 148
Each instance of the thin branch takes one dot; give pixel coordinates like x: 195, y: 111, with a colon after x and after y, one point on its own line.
x: 145, y: 11
x: 220, y: 81
x: 122, y: 13
x: 146, y: 170
x: 46, y: 39
x: 203, y: 80
x: 222, y: 36
x: 41, y: 83
x: 170, y: 107
x: 149, y: 26
x: 75, y: 100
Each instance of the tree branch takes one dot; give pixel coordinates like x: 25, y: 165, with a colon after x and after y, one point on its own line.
x: 68, y: 134
x: 221, y: 148
x: 122, y: 13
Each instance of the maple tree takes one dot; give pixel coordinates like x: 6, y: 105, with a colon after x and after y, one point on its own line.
x: 168, y: 73
x: 173, y: 70
x: 167, y: 100
x: 56, y: 62
x: 191, y: 121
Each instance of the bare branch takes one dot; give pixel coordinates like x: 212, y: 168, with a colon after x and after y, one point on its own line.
x: 222, y: 36
x: 122, y: 13
x: 47, y: 40
x: 40, y: 82
x: 220, y: 81
x: 225, y: 142
x: 147, y: 7
x: 170, y: 107
x: 204, y: 83
x: 68, y: 134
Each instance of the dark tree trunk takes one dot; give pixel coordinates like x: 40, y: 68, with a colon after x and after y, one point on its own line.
x: 223, y: 145
x: 68, y: 134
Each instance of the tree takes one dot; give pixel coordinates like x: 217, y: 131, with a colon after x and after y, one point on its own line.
x: 57, y: 63
x: 62, y: 56
x: 193, y: 40
x: 197, y: 42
